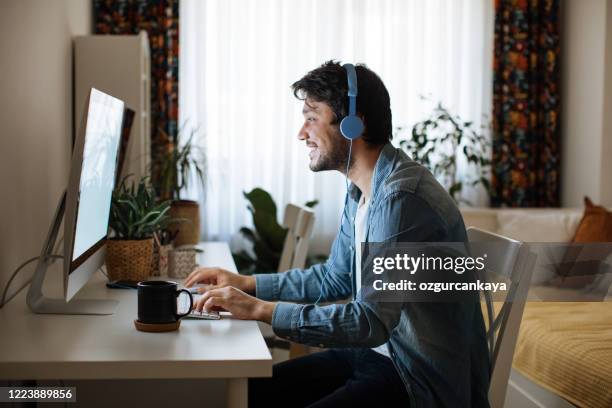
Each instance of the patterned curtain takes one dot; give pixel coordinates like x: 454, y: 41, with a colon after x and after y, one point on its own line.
x: 160, y: 19
x: 526, y: 104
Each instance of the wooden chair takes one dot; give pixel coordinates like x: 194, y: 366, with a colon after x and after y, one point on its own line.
x: 299, y: 222
x: 516, y: 266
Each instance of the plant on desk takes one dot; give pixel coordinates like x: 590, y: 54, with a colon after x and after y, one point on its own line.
x: 180, y: 164
x: 135, y: 216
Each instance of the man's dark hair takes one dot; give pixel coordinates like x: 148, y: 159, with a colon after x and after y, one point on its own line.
x: 328, y: 83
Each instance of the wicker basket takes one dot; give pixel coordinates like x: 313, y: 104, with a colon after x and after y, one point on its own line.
x: 189, y: 230
x: 181, y: 262
x: 129, y: 259
x: 159, y: 266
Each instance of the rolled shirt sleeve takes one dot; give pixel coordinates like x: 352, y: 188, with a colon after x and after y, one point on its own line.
x: 266, y: 286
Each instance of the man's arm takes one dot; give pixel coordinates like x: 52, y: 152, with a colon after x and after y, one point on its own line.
x: 304, y: 285
x: 361, y: 323
x: 355, y: 324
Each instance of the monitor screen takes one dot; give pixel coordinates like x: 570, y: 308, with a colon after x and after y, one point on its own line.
x: 102, y: 136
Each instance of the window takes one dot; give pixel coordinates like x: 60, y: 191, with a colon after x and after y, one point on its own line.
x: 239, y: 57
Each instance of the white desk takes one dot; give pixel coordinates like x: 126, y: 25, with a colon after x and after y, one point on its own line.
x: 40, y: 347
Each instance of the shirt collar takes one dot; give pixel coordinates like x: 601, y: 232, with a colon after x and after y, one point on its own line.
x: 384, y: 165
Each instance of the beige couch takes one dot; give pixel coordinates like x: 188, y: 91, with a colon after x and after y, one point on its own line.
x: 564, y: 350
x: 526, y: 224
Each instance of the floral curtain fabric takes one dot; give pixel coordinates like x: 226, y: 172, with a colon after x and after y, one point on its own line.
x: 526, y: 104
x: 160, y: 19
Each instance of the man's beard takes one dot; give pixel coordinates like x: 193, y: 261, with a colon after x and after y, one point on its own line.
x: 336, y: 158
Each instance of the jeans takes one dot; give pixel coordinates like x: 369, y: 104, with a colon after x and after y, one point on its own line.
x: 332, y: 378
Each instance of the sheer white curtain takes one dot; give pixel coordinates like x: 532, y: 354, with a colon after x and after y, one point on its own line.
x: 238, y: 59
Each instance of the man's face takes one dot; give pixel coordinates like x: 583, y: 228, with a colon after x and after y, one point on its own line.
x: 329, y: 149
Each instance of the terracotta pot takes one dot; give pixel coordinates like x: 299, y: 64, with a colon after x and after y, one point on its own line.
x: 188, y: 231
x: 129, y: 259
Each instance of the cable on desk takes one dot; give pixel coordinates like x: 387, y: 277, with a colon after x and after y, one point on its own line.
x: 8, y: 284
x: 103, y: 271
x: 49, y: 257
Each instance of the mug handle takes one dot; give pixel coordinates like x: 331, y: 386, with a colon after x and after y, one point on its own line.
x: 178, y: 293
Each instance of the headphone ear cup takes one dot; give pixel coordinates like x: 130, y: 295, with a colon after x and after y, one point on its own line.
x: 351, y: 127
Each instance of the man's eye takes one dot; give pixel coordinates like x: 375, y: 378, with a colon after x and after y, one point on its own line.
x: 310, y: 119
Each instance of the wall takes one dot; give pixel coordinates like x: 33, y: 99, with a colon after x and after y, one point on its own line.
x: 36, y: 118
x: 606, y: 179
x: 586, y: 64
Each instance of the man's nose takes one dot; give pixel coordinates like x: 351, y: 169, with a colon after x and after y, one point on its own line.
x: 302, y: 134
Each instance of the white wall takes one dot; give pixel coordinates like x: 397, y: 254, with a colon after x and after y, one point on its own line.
x: 586, y: 65
x: 36, y: 118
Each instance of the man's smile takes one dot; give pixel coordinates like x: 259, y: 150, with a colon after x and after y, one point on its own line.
x: 313, y: 148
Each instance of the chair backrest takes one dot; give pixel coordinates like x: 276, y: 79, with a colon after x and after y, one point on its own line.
x: 299, y: 221
x: 515, y: 266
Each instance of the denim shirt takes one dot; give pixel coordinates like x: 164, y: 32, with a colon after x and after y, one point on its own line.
x: 438, y: 349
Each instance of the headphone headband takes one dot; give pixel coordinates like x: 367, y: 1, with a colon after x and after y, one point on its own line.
x: 351, y: 76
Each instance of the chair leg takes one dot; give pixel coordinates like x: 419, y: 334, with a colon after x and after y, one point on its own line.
x: 298, y: 350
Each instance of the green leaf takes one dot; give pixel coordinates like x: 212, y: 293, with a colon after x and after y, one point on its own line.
x: 135, y: 213
x: 486, y: 183
x: 455, y: 188
x: 311, y: 204
x: 437, y: 141
x: 176, y: 163
x: 269, y: 230
x: 267, y: 258
x: 268, y: 238
x: 261, y: 200
x: 244, y: 262
x: 248, y: 234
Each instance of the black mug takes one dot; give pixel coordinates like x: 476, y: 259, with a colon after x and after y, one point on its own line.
x: 157, y: 302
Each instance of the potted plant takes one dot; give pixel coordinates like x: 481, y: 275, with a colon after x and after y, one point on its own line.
x: 267, y: 239
x: 179, y: 165
x: 440, y: 140
x: 135, y: 216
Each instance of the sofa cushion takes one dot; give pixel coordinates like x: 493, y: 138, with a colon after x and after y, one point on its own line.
x: 538, y: 227
x: 595, y: 225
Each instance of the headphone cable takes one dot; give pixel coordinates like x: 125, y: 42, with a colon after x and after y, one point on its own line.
x: 348, y: 164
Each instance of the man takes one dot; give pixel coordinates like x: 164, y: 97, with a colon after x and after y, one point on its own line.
x: 420, y: 354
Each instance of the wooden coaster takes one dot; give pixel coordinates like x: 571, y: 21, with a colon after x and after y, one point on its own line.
x: 157, y: 327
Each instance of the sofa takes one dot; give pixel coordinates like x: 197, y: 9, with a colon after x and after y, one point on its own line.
x: 563, y: 356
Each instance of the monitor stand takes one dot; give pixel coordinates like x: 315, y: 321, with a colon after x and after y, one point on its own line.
x: 35, y: 298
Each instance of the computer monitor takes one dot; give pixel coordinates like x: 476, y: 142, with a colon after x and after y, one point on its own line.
x: 87, y: 202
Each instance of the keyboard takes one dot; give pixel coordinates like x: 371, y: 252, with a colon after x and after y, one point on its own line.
x: 183, y: 305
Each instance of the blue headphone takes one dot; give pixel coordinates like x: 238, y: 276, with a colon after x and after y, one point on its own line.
x: 351, y: 126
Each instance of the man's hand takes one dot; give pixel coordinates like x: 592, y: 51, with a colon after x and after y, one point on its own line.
x: 220, y: 278
x: 241, y: 305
